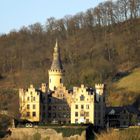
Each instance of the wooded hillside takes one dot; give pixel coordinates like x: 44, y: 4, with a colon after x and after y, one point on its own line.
x: 95, y: 46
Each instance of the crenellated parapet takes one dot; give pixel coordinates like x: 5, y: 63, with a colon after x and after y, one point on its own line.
x: 99, y: 91
x: 99, y: 86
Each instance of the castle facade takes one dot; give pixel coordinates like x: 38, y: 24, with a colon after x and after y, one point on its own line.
x: 57, y: 104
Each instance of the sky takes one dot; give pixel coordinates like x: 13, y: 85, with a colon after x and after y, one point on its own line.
x: 15, y: 14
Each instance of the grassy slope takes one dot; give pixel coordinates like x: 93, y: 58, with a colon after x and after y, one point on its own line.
x: 130, y: 83
x: 125, y: 91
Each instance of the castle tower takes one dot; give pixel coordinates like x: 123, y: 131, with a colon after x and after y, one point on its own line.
x: 56, y: 73
x: 99, y: 91
x: 100, y: 98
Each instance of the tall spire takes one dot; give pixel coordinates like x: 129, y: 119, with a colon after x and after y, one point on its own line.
x: 56, y: 64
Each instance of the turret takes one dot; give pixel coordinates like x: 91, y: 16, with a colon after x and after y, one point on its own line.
x: 100, y: 98
x: 56, y: 72
x: 99, y: 91
x: 43, y: 87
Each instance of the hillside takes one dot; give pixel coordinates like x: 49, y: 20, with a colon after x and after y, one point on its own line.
x: 126, y: 90
x: 130, y: 83
x: 95, y: 46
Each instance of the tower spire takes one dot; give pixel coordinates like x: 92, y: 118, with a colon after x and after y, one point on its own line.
x: 56, y: 72
x: 56, y: 63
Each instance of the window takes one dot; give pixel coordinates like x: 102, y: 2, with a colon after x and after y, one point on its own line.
x: 87, y: 106
x: 60, y: 108
x: 28, y: 98
x: 82, y: 97
x: 34, y: 114
x: 28, y: 106
x: 43, y: 114
x: 64, y: 115
x: 87, y: 120
x: 76, y: 114
x: 33, y: 98
x: 103, y: 99
x: 50, y: 80
x: 76, y: 120
x: 28, y: 114
x: 65, y: 108
x: 54, y: 107
x: 54, y: 115
x: 82, y: 106
x: 54, y: 87
x: 43, y: 107
x: 82, y: 114
x: 76, y: 106
x: 49, y: 115
x: 87, y: 114
x: 124, y: 123
x: 49, y: 100
x: 34, y: 106
x: 43, y: 98
x: 49, y: 108
x: 60, y: 80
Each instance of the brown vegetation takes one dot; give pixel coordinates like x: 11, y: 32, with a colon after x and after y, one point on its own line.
x: 128, y: 134
x: 95, y: 45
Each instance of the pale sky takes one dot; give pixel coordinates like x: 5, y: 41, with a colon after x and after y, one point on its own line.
x: 17, y: 13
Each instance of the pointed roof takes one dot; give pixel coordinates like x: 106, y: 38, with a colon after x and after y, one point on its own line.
x: 56, y: 63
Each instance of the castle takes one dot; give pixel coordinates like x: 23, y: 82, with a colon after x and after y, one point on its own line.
x: 57, y: 104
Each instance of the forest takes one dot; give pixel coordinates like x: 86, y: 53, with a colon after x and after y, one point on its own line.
x: 99, y: 45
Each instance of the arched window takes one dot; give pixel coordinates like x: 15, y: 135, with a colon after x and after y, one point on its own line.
x: 50, y: 80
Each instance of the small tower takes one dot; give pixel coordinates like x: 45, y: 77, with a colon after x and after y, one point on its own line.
x: 56, y: 73
x: 100, y: 98
x: 99, y: 91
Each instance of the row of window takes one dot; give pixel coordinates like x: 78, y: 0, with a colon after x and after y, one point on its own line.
x: 55, y: 100
x: 82, y: 106
x: 59, y: 115
x: 58, y: 108
x: 82, y: 98
x: 29, y: 106
x: 60, y: 80
x: 87, y: 120
x: 29, y: 114
x: 82, y: 114
x: 31, y: 98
